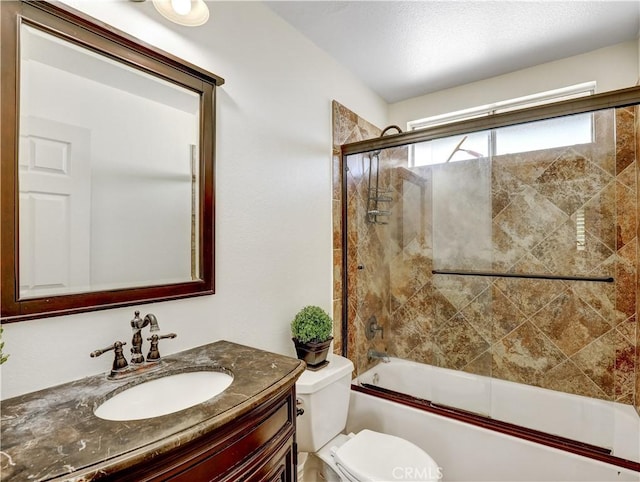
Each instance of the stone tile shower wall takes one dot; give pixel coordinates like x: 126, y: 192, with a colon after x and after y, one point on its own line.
x: 637, y: 286
x: 347, y: 127
x: 572, y: 336
x: 373, y: 250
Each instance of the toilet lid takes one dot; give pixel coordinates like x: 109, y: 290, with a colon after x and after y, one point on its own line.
x: 374, y: 456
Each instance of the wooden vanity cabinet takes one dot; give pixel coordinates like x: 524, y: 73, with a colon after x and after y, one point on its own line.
x: 257, y: 446
x: 246, y: 433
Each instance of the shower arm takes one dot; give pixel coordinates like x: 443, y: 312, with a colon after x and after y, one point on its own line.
x: 388, y: 128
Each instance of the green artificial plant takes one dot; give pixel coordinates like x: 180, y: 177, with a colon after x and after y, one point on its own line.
x: 311, y: 324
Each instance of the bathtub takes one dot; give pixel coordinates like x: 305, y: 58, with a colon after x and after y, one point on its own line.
x: 471, y: 453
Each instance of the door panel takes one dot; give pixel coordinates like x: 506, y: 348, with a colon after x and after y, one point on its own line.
x: 54, y: 213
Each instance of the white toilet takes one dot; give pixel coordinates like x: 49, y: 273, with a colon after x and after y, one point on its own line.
x: 365, y: 456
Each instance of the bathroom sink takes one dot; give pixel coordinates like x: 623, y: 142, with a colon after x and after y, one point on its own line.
x: 165, y: 395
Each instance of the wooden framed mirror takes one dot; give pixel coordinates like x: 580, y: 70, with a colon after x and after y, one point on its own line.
x: 107, y: 167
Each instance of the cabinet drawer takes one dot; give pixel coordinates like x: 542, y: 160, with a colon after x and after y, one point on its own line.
x: 251, y: 444
x: 243, y: 453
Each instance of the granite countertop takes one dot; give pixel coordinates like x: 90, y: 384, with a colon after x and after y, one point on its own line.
x: 52, y: 434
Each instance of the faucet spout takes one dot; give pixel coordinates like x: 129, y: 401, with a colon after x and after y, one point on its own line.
x: 151, y: 319
x: 139, y: 323
x: 378, y: 355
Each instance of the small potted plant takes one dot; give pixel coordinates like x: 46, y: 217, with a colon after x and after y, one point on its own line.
x: 311, y: 332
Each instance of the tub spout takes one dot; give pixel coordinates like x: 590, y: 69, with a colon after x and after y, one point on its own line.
x: 379, y: 355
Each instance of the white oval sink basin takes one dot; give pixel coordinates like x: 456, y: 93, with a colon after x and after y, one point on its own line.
x: 164, y: 395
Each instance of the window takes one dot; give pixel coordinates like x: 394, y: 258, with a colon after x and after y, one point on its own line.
x: 562, y: 131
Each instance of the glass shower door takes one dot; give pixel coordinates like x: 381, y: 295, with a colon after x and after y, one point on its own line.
x: 461, y: 206
x: 498, y: 273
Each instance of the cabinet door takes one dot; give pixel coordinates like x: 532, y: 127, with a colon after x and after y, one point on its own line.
x: 287, y: 470
x: 280, y: 475
x: 279, y: 467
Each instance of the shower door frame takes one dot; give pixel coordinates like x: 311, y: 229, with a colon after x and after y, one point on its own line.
x: 607, y: 100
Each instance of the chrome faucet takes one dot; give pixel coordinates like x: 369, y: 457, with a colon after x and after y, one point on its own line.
x: 120, y: 368
x: 377, y: 355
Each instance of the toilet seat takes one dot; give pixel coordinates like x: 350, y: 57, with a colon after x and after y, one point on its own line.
x: 374, y: 456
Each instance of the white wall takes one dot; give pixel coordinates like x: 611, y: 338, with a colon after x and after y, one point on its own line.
x: 612, y: 68
x: 273, y: 197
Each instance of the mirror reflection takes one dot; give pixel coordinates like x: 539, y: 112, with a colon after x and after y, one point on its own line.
x: 108, y: 173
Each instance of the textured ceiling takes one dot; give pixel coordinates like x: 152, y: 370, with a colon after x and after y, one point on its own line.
x: 402, y: 49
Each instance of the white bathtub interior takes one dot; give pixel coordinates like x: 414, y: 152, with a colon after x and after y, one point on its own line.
x: 468, y: 453
x: 606, y: 424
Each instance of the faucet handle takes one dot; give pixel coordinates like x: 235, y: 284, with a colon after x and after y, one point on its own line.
x: 372, y: 328
x: 154, y: 353
x: 119, y: 361
x: 96, y: 353
x: 136, y: 323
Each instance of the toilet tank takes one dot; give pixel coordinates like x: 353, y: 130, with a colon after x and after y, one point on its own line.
x: 324, y: 397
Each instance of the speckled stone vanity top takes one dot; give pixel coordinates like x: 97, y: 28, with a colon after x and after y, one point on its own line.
x: 52, y: 434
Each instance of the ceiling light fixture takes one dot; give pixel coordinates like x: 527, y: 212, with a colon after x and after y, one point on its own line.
x: 190, y: 13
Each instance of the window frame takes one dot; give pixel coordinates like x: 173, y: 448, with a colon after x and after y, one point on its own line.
x: 534, y: 100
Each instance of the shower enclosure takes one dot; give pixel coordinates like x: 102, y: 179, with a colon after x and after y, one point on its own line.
x: 500, y: 252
